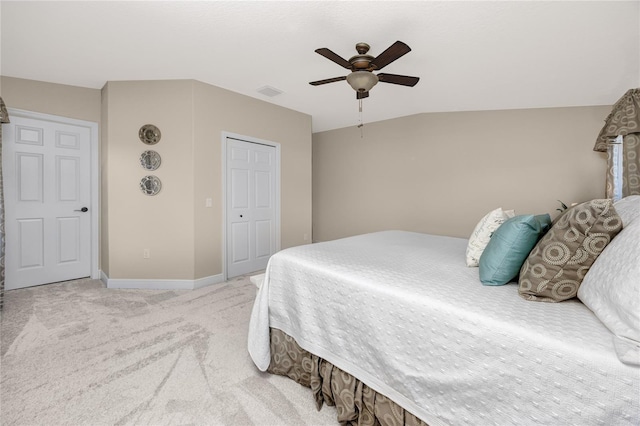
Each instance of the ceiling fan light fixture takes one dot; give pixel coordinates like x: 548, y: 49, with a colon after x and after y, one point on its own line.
x: 362, y: 81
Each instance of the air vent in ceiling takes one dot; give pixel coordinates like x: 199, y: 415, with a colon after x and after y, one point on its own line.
x: 269, y: 91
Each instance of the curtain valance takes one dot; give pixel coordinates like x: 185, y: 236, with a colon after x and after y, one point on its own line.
x: 623, y: 120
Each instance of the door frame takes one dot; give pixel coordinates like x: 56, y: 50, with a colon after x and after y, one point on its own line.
x: 94, y: 166
x: 228, y: 135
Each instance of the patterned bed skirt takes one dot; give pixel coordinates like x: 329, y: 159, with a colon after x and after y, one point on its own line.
x: 356, y: 403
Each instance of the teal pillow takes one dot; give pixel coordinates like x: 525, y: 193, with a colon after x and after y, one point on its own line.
x: 509, y: 247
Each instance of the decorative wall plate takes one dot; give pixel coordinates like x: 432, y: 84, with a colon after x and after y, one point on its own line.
x: 150, y: 160
x: 150, y: 185
x: 149, y: 134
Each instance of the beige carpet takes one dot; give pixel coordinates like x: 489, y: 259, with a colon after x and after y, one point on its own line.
x: 77, y: 353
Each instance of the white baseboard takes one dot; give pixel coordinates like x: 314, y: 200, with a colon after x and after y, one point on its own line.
x: 210, y: 280
x: 160, y: 284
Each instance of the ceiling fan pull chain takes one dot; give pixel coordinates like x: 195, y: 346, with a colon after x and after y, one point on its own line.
x: 361, y: 125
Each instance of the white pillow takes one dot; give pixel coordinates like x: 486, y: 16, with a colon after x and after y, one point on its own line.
x: 628, y: 209
x: 482, y: 234
x: 611, y: 289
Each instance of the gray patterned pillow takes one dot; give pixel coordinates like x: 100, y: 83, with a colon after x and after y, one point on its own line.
x: 558, y: 263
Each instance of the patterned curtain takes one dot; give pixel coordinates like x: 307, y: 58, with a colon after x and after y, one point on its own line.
x: 4, y: 118
x: 624, y: 121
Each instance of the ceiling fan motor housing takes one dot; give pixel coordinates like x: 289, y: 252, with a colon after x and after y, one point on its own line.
x: 362, y: 61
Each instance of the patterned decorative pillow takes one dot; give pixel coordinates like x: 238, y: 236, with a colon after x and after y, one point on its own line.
x: 558, y: 263
x: 481, y: 234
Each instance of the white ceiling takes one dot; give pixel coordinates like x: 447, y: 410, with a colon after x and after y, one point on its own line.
x: 469, y: 55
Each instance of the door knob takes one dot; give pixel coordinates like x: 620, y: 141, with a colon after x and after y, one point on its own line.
x: 240, y: 215
x: 83, y: 210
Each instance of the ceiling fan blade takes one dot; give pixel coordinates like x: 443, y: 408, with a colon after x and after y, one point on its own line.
x: 392, y: 53
x: 334, y: 57
x: 362, y: 95
x: 328, y: 80
x: 403, y: 80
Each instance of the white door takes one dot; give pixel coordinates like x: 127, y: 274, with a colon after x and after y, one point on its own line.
x: 47, y: 182
x: 251, y: 206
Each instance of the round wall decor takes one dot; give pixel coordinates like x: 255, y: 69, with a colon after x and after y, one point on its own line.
x: 150, y: 160
x: 150, y: 185
x: 149, y: 134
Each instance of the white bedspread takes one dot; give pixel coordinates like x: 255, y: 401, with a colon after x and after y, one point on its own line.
x: 401, y: 312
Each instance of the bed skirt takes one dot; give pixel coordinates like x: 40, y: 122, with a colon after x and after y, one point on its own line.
x: 356, y: 403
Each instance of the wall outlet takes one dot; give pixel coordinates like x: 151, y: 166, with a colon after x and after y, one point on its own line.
x: 146, y: 254
x: 208, y: 202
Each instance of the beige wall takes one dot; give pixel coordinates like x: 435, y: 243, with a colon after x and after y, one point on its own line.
x: 183, y: 235
x: 436, y: 173
x: 163, y: 224
x: 49, y: 98
x: 441, y: 172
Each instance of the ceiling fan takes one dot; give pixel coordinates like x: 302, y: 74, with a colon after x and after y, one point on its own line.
x: 362, y: 78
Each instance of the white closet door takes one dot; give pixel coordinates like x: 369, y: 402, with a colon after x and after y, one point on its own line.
x: 251, y: 199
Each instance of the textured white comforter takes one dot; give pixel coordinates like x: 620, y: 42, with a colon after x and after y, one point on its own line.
x: 401, y: 312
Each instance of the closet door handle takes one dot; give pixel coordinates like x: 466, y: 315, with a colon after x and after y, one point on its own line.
x: 83, y: 210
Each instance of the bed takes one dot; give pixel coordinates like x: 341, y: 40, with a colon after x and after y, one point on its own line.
x: 400, y: 319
